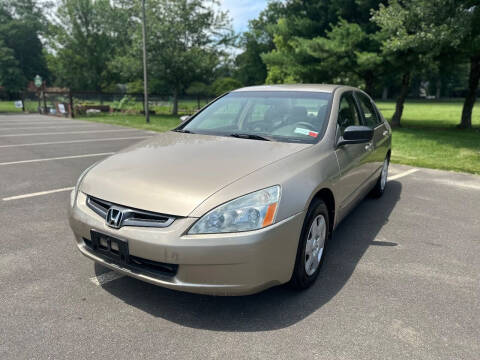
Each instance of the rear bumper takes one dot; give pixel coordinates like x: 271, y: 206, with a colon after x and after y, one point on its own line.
x: 218, y: 264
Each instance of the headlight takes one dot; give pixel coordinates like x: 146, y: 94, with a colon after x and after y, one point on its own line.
x: 249, y: 212
x: 73, y: 194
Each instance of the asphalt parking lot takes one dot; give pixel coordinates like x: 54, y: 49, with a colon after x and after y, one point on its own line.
x: 400, y: 281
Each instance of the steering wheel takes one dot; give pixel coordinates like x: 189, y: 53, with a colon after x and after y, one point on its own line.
x: 306, y: 124
x: 258, y: 127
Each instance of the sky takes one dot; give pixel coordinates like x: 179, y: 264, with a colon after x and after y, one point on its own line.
x: 243, y: 10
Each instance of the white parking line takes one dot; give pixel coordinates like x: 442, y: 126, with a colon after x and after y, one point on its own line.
x: 459, y: 183
x: 405, y: 173
x: 73, y: 141
x: 24, y: 196
x: 68, y: 132
x: 105, y: 278
x: 55, y: 158
x: 50, y: 127
x: 17, y: 123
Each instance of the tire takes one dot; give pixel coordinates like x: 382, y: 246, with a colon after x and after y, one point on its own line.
x: 381, y: 184
x: 309, y: 259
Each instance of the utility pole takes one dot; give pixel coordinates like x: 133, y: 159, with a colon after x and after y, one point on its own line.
x: 145, y: 76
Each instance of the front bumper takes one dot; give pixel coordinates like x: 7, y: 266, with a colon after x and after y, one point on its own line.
x: 214, y: 264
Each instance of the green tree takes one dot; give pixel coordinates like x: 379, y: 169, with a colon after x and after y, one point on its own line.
x: 404, y: 43
x: 85, y: 37
x: 185, y: 42
x: 328, y: 41
x: 11, y: 77
x: 470, y: 47
x: 223, y: 85
x: 424, y: 34
x: 21, y: 51
x: 198, y: 89
x: 343, y: 55
x: 250, y: 68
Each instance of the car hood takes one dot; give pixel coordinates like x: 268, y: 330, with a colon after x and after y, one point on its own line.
x: 173, y: 173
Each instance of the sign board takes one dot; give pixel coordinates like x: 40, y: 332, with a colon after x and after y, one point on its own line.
x: 61, y: 108
x: 38, y: 81
x: 18, y: 104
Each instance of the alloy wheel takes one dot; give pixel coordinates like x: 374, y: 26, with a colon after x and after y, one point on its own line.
x: 315, y: 244
x: 383, y: 179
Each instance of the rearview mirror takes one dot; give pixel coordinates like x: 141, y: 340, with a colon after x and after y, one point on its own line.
x: 356, y: 135
x: 184, y: 118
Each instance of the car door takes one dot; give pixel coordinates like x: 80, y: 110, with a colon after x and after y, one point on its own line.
x: 352, y: 158
x: 379, y: 148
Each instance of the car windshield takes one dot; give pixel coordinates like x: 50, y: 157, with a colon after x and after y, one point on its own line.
x: 296, y: 116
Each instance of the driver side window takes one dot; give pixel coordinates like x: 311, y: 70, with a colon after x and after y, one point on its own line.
x: 347, y: 113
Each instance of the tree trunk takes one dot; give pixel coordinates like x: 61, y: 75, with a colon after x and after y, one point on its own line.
x: 473, y: 79
x: 385, y: 93
x: 401, y: 100
x: 175, y: 102
x: 438, y: 90
x: 369, y: 83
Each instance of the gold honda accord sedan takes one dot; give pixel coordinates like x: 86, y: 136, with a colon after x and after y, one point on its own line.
x: 242, y: 196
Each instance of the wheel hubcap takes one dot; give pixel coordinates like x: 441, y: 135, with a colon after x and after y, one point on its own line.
x: 315, y: 244
x: 383, y: 180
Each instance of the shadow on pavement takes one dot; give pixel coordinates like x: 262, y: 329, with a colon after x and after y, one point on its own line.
x: 277, y: 307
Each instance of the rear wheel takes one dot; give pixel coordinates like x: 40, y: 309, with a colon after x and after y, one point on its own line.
x: 381, y: 184
x: 312, y: 245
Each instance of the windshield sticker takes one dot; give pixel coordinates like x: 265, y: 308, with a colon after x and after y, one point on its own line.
x: 306, y: 132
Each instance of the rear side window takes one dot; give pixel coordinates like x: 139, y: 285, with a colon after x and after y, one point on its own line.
x: 347, y: 113
x: 371, y: 117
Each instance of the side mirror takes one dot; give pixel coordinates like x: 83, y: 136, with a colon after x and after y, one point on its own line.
x: 184, y: 118
x: 356, y: 135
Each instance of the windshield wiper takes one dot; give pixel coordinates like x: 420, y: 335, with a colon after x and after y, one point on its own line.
x: 183, y: 131
x: 250, y: 136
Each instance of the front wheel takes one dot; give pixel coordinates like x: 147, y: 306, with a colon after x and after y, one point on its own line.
x: 379, y: 188
x: 312, y: 245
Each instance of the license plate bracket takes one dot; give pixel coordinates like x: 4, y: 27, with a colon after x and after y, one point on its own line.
x: 112, y: 247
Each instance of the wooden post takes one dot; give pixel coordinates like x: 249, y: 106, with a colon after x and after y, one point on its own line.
x: 39, y: 94
x: 70, y: 104
x: 23, y: 101
x: 45, y: 111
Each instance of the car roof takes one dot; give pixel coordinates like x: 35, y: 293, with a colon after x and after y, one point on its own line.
x: 326, y: 88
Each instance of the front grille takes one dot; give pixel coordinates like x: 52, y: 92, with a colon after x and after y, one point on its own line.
x: 130, y: 216
x: 154, y: 266
x: 136, y: 264
x: 99, y: 206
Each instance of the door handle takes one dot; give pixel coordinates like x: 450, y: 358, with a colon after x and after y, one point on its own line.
x: 369, y: 147
x: 385, y: 133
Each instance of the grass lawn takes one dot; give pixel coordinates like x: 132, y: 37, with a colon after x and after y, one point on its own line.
x: 157, y: 122
x: 8, y: 107
x: 160, y: 107
x: 429, y: 137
